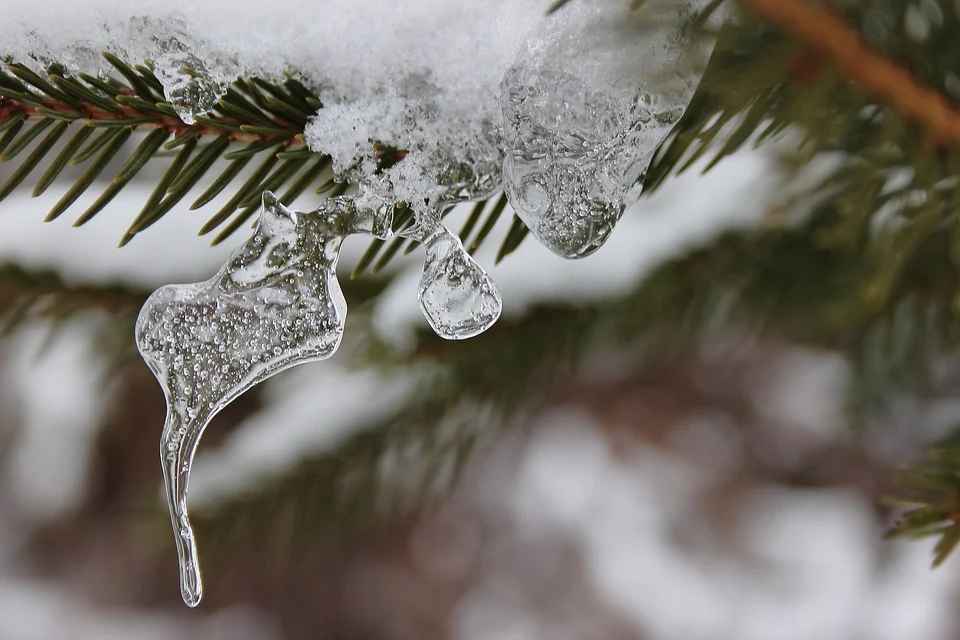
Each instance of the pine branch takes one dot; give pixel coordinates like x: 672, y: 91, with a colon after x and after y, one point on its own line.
x: 114, y: 110
x: 27, y: 296
x: 758, y: 84
x: 930, y: 500
x: 255, y: 121
x: 268, y: 117
x: 761, y: 82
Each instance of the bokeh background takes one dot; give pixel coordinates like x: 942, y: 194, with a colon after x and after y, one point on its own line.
x: 598, y: 466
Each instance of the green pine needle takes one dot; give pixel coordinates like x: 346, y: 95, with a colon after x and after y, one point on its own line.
x: 256, y: 119
x: 110, y: 150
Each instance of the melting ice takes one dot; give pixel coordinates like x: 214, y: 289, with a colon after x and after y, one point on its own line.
x: 588, y: 100
x: 193, y: 76
x: 457, y: 297
x: 187, y: 84
x: 276, y: 304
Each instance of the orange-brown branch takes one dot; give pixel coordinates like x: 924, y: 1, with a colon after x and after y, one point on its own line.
x: 10, y: 106
x: 824, y: 31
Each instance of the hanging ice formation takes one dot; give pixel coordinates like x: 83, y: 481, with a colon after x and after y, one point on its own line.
x: 457, y: 297
x: 585, y: 105
x: 584, y: 108
x: 276, y: 304
x: 188, y: 85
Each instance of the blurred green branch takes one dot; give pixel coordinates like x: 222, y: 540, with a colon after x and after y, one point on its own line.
x: 43, y: 294
x: 255, y: 120
x: 930, y: 500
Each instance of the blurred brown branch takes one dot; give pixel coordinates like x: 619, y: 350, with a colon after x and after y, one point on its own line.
x: 828, y: 34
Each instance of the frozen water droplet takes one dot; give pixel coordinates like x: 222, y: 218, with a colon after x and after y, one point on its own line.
x: 290, y: 261
x: 456, y: 295
x: 585, y: 106
x: 187, y: 83
x: 367, y: 212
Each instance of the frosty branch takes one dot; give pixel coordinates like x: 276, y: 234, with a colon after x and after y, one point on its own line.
x: 266, y: 118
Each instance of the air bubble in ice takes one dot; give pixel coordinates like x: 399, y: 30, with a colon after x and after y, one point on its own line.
x: 188, y: 85
x: 457, y: 297
x: 585, y: 106
x: 276, y: 304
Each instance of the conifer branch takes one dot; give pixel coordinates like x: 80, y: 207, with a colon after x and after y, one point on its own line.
x: 113, y: 110
x: 930, y: 501
x: 27, y: 295
x: 256, y: 119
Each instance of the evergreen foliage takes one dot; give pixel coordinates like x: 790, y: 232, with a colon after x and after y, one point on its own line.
x: 257, y: 122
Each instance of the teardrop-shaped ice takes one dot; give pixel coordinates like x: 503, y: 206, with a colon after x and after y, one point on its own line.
x: 587, y: 102
x: 456, y: 295
x: 276, y: 304
x: 187, y: 84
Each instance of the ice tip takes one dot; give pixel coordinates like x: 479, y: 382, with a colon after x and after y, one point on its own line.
x: 270, y: 200
x: 274, y: 208
x: 191, y: 590
x: 192, y: 600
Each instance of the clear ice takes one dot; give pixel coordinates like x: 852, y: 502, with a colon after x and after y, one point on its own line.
x: 276, y: 304
x: 585, y: 106
x: 457, y: 297
x: 188, y: 85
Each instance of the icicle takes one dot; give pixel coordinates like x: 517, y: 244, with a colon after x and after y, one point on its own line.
x: 276, y: 304
x: 456, y: 295
x: 585, y: 106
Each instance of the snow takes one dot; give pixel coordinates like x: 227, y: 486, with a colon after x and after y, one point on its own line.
x: 801, y: 566
x: 33, y: 610
x: 422, y: 75
x: 352, y: 46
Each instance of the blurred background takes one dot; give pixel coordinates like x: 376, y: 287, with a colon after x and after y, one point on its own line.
x: 625, y: 455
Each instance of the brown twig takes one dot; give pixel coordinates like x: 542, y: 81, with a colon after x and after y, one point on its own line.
x: 827, y: 33
x: 11, y: 106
